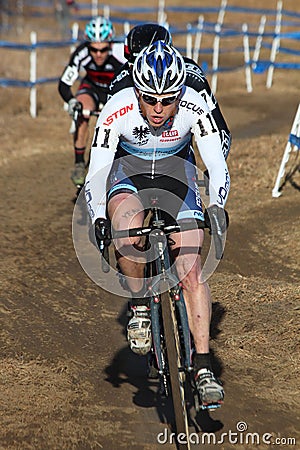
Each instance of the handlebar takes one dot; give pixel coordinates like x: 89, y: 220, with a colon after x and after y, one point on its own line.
x: 88, y: 112
x: 165, y: 229
x: 79, y: 112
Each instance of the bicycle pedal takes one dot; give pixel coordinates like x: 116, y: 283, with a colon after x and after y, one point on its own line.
x: 205, y: 406
x: 210, y: 406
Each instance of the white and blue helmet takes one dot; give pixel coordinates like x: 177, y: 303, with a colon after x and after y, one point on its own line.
x: 99, y: 30
x: 159, y: 69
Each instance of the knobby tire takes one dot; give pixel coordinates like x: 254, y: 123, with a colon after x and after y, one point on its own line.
x: 177, y: 378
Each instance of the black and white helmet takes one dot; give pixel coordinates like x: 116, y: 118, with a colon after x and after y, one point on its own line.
x: 159, y: 69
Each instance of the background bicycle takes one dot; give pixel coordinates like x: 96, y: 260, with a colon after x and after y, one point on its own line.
x: 81, y: 114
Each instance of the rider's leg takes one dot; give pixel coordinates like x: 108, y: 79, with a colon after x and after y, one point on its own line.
x: 81, y: 135
x: 126, y: 211
x: 196, y: 293
x: 198, y: 303
x: 80, y: 140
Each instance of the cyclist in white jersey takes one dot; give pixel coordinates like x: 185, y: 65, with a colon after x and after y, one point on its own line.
x: 142, y: 141
x: 142, y: 36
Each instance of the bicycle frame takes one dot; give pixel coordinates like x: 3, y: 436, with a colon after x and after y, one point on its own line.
x: 79, y: 113
x: 166, y: 280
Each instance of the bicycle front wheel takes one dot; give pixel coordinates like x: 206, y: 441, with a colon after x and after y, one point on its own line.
x: 176, y: 370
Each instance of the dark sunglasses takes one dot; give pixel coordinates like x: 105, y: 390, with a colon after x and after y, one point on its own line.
x: 96, y: 50
x: 165, y: 101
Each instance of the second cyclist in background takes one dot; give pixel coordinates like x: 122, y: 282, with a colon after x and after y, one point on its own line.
x: 94, y: 55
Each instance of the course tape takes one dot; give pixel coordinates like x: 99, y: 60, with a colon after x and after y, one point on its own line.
x: 193, y: 30
x: 41, y: 44
x: 209, y: 28
x: 145, y: 10
x: 261, y: 66
x: 134, y: 9
x: 19, y: 83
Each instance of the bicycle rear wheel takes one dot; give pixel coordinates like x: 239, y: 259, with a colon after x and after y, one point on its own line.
x: 176, y: 372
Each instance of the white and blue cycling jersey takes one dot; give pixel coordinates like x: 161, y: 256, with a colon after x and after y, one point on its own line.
x: 195, y: 78
x: 125, y: 145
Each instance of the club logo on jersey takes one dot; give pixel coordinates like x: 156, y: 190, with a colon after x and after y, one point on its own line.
x: 170, y: 133
x: 141, y: 133
x: 121, y: 112
x: 170, y: 136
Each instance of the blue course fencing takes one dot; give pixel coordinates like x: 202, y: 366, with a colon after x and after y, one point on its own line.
x: 6, y: 82
x: 268, y: 40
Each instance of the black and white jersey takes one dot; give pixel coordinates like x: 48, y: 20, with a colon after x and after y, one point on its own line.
x: 98, y: 76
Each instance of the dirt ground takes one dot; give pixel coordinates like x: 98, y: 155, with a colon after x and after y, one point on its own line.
x: 67, y: 377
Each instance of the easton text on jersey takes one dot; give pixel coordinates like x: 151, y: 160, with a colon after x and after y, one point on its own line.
x: 109, y: 120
